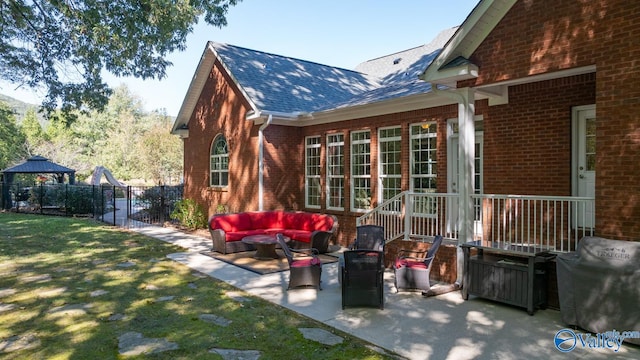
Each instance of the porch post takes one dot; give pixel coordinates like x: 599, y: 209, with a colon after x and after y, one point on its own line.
x: 466, y: 171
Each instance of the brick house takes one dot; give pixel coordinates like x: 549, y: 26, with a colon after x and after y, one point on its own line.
x: 494, y: 131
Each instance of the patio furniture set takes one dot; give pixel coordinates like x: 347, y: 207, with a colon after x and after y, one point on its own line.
x: 361, y: 266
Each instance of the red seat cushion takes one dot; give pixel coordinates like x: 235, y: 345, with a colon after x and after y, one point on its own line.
x: 306, y: 262
x: 238, y: 235
x: 412, y: 264
x: 298, y: 235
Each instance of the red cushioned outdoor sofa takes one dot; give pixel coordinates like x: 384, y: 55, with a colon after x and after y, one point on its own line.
x: 306, y: 230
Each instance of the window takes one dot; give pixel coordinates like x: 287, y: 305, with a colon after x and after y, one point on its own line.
x: 390, y: 169
x: 219, y: 163
x: 312, y: 172
x: 360, y: 170
x: 335, y: 171
x: 424, y: 164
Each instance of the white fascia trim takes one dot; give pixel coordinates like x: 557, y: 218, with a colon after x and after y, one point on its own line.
x: 475, y: 28
x: 408, y: 103
x: 195, y: 88
x: 498, y: 93
x: 200, y: 77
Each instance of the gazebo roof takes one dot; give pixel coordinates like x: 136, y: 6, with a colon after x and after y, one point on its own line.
x: 36, y: 165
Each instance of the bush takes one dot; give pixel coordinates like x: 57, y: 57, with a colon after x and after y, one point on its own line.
x: 190, y: 214
x: 159, y: 201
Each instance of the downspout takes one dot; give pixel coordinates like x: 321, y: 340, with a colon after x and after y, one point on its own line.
x: 261, y: 162
x: 466, y: 155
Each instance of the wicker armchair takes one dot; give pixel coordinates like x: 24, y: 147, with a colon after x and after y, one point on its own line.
x: 412, y: 273
x: 305, y: 271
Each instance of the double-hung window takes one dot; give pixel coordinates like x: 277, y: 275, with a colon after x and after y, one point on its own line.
x: 360, y: 170
x: 312, y: 172
x: 219, y: 163
x: 335, y: 171
x: 424, y: 165
x: 389, y: 169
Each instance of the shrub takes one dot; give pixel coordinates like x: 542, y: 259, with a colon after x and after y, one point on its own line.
x: 190, y: 214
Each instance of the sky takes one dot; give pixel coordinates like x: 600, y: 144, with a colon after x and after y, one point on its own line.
x: 341, y: 33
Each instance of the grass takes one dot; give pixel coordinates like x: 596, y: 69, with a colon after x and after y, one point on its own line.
x: 62, y: 280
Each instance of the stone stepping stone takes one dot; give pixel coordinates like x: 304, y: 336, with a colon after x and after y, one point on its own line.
x: 116, y: 317
x: 70, y: 310
x: 6, y: 307
x: 230, y: 354
x: 133, y: 343
x: 165, y: 298
x: 321, y: 336
x: 35, y: 278
x: 19, y: 342
x: 236, y: 296
x: 151, y: 287
x: 126, y: 264
x: 52, y: 292
x: 7, y: 292
x: 192, y: 286
x: 97, y: 293
x: 214, y: 319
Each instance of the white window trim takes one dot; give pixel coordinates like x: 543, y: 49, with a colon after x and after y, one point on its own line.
x: 381, y: 175
x: 306, y: 168
x: 329, y: 176
x: 412, y: 177
x: 221, y: 171
x: 353, y: 177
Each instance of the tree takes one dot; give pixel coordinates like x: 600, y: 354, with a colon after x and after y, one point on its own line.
x: 160, y: 152
x: 32, y: 131
x: 62, y: 46
x: 11, y: 139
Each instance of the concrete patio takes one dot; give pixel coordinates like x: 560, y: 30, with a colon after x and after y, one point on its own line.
x: 413, y: 326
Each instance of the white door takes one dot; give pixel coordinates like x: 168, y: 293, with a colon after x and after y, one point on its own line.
x: 585, y: 162
x: 452, y: 175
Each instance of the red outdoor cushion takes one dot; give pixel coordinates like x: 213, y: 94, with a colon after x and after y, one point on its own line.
x: 306, y: 262
x: 238, y: 235
x: 412, y: 264
x: 298, y: 235
x: 231, y: 222
x: 266, y: 219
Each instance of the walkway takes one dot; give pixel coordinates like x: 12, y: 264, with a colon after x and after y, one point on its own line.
x: 440, y: 327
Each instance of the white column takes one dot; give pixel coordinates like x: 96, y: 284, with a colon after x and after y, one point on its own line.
x: 466, y: 171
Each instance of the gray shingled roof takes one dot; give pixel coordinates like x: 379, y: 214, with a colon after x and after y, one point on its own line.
x: 286, y: 85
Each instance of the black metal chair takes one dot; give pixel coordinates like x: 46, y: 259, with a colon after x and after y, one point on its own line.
x: 412, y: 272
x: 369, y: 237
x: 305, y: 271
x: 363, y: 278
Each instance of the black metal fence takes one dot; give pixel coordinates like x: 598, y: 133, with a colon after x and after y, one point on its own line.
x: 131, y: 206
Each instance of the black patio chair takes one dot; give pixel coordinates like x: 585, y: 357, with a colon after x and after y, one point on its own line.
x: 363, y: 278
x: 369, y: 237
x: 304, y: 271
x: 412, y: 272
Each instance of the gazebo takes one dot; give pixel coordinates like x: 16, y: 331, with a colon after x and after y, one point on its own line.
x: 34, y: 165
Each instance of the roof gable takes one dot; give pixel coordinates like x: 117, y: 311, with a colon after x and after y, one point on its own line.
x: 452, y: 63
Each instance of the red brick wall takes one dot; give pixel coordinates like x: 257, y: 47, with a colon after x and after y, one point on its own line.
x: 221, y: 110
x: 527, y: 143
x: 532, y: 40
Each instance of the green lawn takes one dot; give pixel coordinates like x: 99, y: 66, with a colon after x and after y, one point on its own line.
x: 69, y: 288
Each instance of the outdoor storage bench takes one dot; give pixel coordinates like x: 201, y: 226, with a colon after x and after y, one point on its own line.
x: 305, y: 229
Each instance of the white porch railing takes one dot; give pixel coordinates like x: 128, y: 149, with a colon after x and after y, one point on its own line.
x: 546, y: 223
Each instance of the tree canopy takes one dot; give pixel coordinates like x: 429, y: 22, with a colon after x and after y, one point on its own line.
x: 61, y: 46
